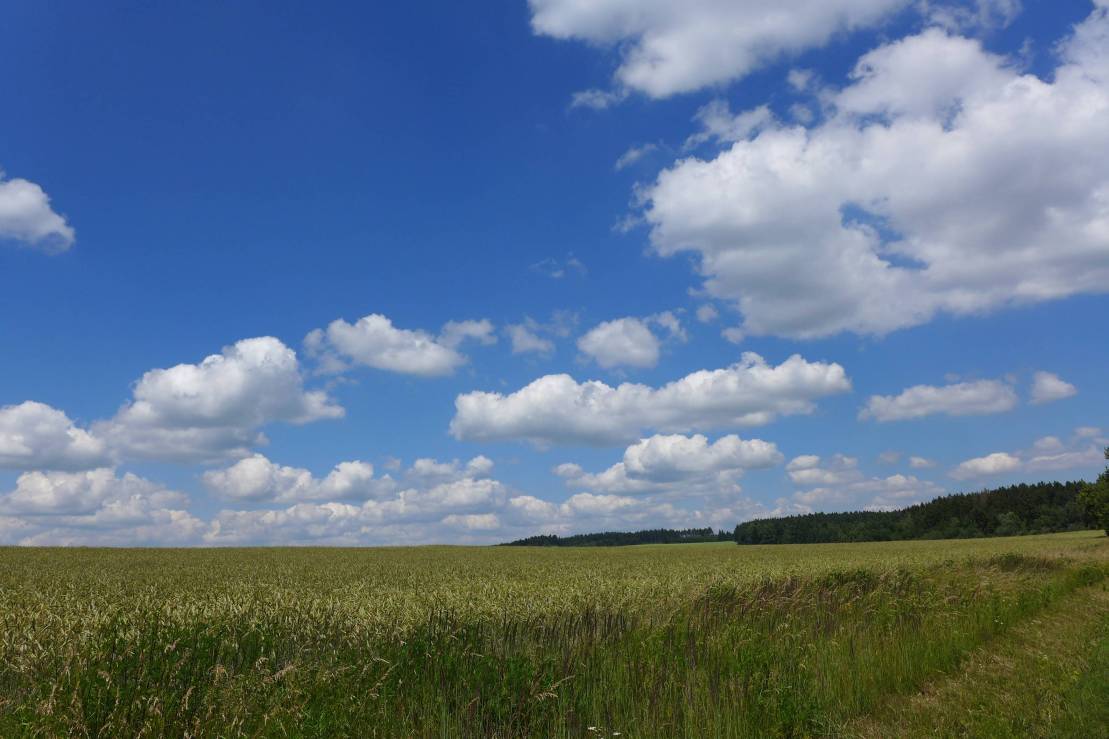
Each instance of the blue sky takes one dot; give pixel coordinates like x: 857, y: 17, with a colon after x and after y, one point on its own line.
x: 281, y: 274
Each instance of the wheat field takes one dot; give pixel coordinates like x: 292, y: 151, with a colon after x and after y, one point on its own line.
x: 670, y: 640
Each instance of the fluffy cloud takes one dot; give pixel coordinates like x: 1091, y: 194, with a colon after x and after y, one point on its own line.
x: 838, y: 484
x: 473, y: 521
x: 95, y: 507
x: 189, y: 412
x: 1047, y: 387
x: 257, y: 478
x: 622, y: 342
x: 921, y: 463
x: 591, y: 512
x: 556, y: 409
x: 1083, y: 451
x: 674, y: 457
x: 427, y: 471
x: 373, y: 341
x: 526, y: 514
x: 677, y: 464
x: 36, y: 436
x: 961, y: 399
x: 991, y: 464
x: 331, y: 523
x: 74, y: 493
x: 870, y: 494
x: 682, y: 482
x: 808, y: 469
x: 26, y: 216
x: 456, y: 498
x: 940, y: 180
x: 526, y: 341
x: 668, y: 47
x: 938, y: 83
x: 454, y: 333
x: 350, y: 506
x: 214, y: 409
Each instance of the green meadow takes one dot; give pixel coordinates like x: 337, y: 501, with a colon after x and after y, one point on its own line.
x: 975, y: 637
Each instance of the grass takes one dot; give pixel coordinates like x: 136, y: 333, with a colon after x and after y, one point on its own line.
x: 671, y: 640
x: 1046, y: 677
x: 1084, y: 709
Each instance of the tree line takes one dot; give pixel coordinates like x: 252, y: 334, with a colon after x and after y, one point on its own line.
x: 624, y: 538
x: 1038, y: 508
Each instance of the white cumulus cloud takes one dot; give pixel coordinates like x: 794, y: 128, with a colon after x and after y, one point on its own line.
x: 1083, y: 451
x: 96, y: 507
x: 525, y: 341
x: 256, y: 478
x: 838, y: 484
x: 868, y: 493
x: 215, y: 408
x: 809, y: 469
x: 669, y: 47
x: 556, y: 409
x: 1048, y: 387
x: 630, y: 341
x: 991, y: 464
x: 36, y: 436
x: 960, y: 399
x: 667, y: 457
x: 441, y: 495
x: 677, y: 465
x: 27, y: 217
x: 941, y: 180
x: 454, y: 333
x: 373, y: 341
x: 622, y: 342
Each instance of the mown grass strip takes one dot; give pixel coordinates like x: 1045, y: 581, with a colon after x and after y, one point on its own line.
x: 1085, y: 707
x: 1047, y: 677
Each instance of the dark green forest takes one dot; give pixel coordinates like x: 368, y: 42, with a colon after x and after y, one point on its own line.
x: 624, y: 538
x: 1038, y: 508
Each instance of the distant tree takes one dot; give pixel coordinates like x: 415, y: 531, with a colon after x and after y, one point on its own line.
x: 1008, y: 524
x: 1095, y: 499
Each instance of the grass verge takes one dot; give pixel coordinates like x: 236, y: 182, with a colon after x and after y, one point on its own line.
x: 1047, y: 677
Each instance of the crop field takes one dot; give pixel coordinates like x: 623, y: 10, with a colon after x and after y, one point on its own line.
x: 690, y: 640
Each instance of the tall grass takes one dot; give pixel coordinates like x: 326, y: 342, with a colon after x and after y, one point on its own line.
x: 676, y: 641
